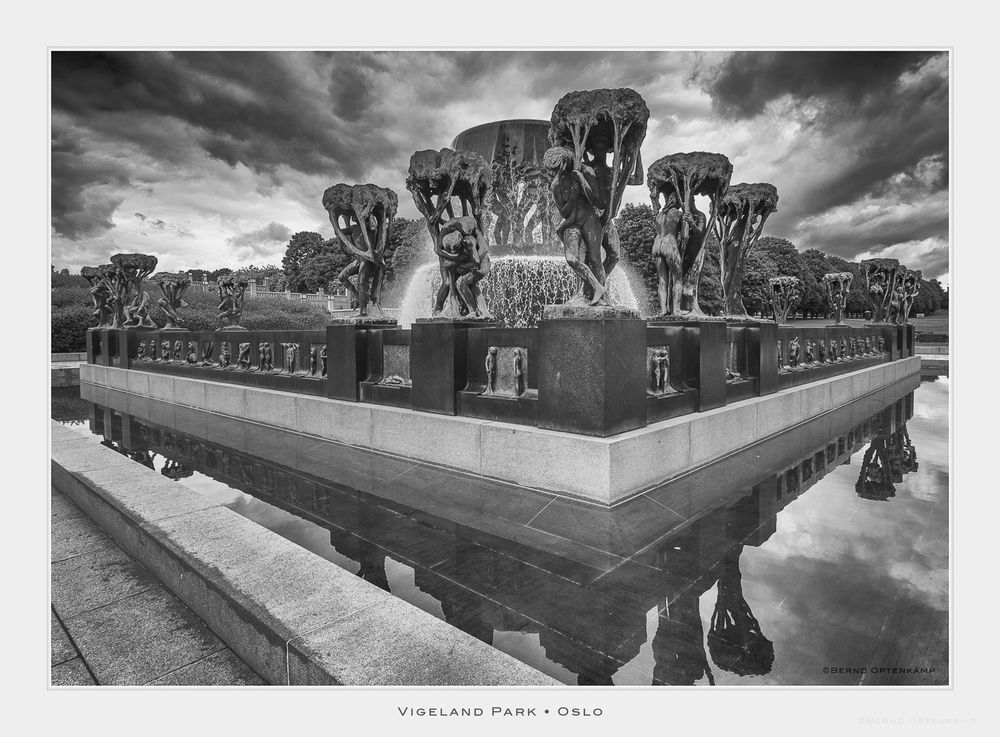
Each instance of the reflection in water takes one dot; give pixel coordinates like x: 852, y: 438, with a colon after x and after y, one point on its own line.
x: 595, y: 596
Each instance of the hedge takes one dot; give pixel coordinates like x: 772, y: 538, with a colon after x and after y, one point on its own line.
x: 71, y: 316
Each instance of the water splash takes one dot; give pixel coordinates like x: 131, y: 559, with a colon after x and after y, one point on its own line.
x: 516, y: 289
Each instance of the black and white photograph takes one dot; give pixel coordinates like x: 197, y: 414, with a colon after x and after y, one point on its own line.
x: 485, y: 387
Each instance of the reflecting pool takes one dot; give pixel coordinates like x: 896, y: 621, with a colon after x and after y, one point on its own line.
x: 819, y: 557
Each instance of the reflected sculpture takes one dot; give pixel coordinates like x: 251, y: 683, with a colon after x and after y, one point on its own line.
x: 232, y: 289
x: 367, y: 213
x: 681, y: 229
x: 433, y: 179
x: 172, y: 287
x: 735, y: 639
x: 585, y: 127
x: 742, y: 212
x: 786, y: 291
x: 838, y: 287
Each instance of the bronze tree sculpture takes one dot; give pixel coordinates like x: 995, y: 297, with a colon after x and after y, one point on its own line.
x: 735, y: 640
x: 681, y: 229
x: 909, y: 288
x: 131, y: 303
x: 232, y: 289
x: 172, y: 287
x: 100, y: 294
x: 742, y: 212
x: 433, y: 179
x: 786, y: 291
x: 838, y: 287
x: 585, y: 127
x: 880, y: 283
x: 367, y: 212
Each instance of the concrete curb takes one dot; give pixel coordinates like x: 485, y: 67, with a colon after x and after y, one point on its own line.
x: 294, y: 617
x: 607, y: 471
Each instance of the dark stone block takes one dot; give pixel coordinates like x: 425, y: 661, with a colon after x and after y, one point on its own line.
x: 93, y: 344
x: 109, y: 348
x: 665, y: 406
x: 762, y: 351
x: 592, y: 375
x: 347, y: 357
x: 708, y: 346
x: 438, y: 365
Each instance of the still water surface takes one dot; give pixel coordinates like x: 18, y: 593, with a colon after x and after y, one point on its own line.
x: 817, y: 558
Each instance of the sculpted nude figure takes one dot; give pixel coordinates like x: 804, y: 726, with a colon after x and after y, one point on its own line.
x: 575, y: 192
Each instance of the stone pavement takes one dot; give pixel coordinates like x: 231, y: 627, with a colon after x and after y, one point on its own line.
x: 114, y: 624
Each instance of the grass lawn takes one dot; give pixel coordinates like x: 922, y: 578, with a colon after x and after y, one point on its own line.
x: 936, y: 323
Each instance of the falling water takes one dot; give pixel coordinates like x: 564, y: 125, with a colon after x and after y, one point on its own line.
x: 516, y: 289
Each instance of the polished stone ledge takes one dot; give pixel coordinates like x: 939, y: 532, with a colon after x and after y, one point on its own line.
x: 601, y: 470
x: 294, y: 617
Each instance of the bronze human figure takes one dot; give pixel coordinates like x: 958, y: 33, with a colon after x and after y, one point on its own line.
x: 232, y: 289
x: 362, y: 215
x: 678, y: 248
x: 243, y: 359
x: 793, y: 352
x: 519, y: 377
x: 491, y: 370
x: 434, y: 178
x: 100, y: 294
x: 586, y: 128
x: 172, y: 287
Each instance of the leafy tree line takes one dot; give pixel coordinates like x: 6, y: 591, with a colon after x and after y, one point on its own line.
x: 771, y: 257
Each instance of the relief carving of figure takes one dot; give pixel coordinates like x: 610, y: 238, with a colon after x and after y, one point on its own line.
x: 519, y: 378
x: 822, y: 350
x: 491, y: 370
x: 266, y: 357
x: 810, y: 352
x: 243, y: 359
x: 207, y: 354
x: 661, y: 370
x: 781, y: 356
x: 793, y: 352
x: 322, y: 358
x: 178, y: 350
x: 843, y: 349
x: 140, y: 354
x: 192, y: 352
x: 165, y: 350
x: 224, y: 357
x: 291, y: 357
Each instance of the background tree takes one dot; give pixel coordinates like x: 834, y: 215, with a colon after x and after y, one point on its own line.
x: 408, y: 247
x: 814, y: 264
x: 311, y: 263
x: 271, y: 278
x: 756, y: 289
x: 636, y: 230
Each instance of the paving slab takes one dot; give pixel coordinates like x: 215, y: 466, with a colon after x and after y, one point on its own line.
x: 63, y: 508
x: 142, y: 638
x: 71, y: 673
x: 95, y: 579
x: 75, y: 536
x: 222, y: 668
x: 62, y: 649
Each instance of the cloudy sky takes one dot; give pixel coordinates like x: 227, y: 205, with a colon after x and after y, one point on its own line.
x: 210, y: 159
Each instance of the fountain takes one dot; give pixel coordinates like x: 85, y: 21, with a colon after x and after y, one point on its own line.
x: 517, y: 288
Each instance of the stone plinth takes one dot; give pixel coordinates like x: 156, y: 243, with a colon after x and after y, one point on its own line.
x: 347, y: 355
x: 438, y: 365
x: 592, y: 375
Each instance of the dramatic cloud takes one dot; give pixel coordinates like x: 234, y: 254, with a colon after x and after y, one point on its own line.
x: 208, y: 159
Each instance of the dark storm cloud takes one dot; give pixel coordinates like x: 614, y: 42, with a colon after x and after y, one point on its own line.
x: 747, y: 80
x: 79, y: 208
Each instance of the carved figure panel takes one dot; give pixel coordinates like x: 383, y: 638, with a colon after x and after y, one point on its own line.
x: 243, y: 359
x: 506, y: 371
